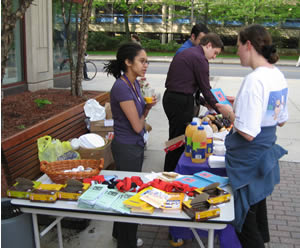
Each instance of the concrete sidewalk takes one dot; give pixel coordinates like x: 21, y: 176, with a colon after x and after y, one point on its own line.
x: 288, y: 136
x: 283, y: 205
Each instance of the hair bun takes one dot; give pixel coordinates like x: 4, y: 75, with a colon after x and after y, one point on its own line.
x: 267, y: 50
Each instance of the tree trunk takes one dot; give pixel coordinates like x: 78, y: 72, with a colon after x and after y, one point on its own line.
x: 67, y: 23
x: 126, y: 22
x: 86, y: 11
x: 8, y: 24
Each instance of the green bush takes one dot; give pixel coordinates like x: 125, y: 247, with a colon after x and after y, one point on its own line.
x: 99, y: 41
x: 156, y: 46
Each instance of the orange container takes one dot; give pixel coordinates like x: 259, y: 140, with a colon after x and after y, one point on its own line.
x: 190, y: 129
x: 199, y: 146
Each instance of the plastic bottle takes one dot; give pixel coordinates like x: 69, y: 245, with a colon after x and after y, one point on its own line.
x: 190, y: 129
x: 199, y: 145
x: 209, y: 138
x: 197, y: 120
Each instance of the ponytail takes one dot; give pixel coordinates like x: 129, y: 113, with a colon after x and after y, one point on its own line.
x: 126, y: 51
x: 261, y: 40
x: 113, y: 68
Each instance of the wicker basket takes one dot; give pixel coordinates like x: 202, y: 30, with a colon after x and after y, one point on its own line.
x: 55, y: 170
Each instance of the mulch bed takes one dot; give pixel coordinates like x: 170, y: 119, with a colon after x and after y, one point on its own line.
x: 20, y: 111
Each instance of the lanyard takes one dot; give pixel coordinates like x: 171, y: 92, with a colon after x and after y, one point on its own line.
x: 131, y: 86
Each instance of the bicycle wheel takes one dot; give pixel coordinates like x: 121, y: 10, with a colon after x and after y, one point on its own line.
x: 91, y: 70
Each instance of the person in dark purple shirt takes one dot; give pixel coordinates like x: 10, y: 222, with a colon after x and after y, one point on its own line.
x: 129, y: 111
x: 188, y: 72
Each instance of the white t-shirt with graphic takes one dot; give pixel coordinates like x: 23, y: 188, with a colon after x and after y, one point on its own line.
x: 261, y: 101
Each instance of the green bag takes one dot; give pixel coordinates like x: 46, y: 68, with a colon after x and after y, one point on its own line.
x: 50, y: 149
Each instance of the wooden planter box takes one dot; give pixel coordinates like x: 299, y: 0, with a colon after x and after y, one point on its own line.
x: 20, y: 153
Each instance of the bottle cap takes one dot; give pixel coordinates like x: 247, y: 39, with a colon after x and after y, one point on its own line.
x: 197, y: 120
x: 200, y: 128
x: 194, y: 123
x: 204, y: 123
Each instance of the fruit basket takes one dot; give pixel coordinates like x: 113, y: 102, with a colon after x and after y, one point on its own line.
x: 56, y: 170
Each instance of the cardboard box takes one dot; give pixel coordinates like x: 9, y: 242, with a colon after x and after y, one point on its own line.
x: 173, y: 144
x: 71, y: 196
x: 14, y: 193
x: 97, y: 153
x: 216, y: 195
x: 199, y: 209
x: 45, y: 193
x: 108, y: 111
x: 148, y: 127
x: 101, y: 128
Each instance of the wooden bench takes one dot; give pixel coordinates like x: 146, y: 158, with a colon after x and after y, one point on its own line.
x: 20, y: 153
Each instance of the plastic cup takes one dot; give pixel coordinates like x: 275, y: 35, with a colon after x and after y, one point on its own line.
x: 149, y: 93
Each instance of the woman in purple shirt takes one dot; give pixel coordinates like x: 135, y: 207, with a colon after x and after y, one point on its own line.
x: 129, y: 111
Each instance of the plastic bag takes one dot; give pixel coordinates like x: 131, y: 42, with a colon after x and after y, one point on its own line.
x: 94, y: 110
x: 50, y: 149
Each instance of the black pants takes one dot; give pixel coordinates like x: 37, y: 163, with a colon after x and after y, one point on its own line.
x: 255, y: 231
x: 179, y: 109
x: 127, y: 158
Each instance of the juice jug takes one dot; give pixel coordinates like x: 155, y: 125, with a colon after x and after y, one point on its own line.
x: 209, y: 138
x: 190, y: 129
x: 199, y: 145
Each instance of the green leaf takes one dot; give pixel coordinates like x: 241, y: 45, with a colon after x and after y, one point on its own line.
x: 21, y: 127
x: 42, y: 102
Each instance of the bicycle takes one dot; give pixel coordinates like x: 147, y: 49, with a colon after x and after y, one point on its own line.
x: 89, y: 70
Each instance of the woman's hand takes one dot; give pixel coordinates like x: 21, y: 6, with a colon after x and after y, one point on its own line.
x: 230, y: 99
x: 224, y: 109
x: 154, y: 101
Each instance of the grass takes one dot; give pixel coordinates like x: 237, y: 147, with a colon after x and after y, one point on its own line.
x: 222, y: 55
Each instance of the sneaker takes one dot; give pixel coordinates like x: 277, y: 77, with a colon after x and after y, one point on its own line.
x: 176, y: 242
x: 139, y: 242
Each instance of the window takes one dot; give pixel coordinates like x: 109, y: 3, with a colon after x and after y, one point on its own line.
x: 60, y: 52
x: 14, y: 66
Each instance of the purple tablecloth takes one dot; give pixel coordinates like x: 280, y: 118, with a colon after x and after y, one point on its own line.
x: 227, y: 236
x: 185, y: 166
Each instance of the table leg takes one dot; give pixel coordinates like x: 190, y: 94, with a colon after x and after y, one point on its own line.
x: 36, y: 231
x: 210, y: 238
x: 59, y: 234
x: 197, y: 238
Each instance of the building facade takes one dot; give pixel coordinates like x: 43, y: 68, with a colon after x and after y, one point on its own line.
x: 38, y: 58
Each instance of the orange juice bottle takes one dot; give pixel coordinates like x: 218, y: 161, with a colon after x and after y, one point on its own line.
x: 199, y: 145
x: 190, y: 129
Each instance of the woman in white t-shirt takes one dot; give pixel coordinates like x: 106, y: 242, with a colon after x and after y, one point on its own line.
x: 251, y: 153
